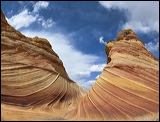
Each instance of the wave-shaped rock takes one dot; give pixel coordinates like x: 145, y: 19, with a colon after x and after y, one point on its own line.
x: 128, y: 88
x: 35, y: 85
x: 33, y: 79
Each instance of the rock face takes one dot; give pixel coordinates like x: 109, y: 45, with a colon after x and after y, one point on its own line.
x: 35, y: 85
x: 33, y: 79
x: 128, y: 88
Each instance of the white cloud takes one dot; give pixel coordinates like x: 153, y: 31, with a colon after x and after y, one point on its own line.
x: 84, y: 74
x: 153, y: 47
x: 20, y: 2
x: 78, y: 65
x: 39, y: 5
x: 47, y: 23
x: 86, y: 85
x: 7, y: 19
x: 93, y: 68
x: 142, y: 16
x: 97, y: 76
x: 23, y: 19
x: 102, y: 41
x: 97, y: 68
x: 10, y: 12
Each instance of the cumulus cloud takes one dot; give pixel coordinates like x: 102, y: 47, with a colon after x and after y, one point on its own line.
x: 47, y: 23
x: 93, y: 68
x: 141, y: 16
x: 78, y: 65
x: 102, y: 41
x: 86, y: 85
x: 97, y: 68
x: 25, y: 17
x: 39, y: 5
x: 153, y: 47
x: 84, y: 74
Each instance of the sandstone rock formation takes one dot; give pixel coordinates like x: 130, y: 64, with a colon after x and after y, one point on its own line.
x: 35, y: 85
x: 128, y: 88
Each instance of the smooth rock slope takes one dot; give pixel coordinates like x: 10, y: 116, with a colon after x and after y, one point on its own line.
x: 128, y: 88
x: 35, y: 85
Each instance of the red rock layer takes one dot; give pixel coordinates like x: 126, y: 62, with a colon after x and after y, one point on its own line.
x: 34, y: 83
x: 128, y: 88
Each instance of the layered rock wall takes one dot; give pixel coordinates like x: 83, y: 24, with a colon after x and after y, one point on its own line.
x: 128, y: 88
x: 33, y: 79
x: 35, y: 85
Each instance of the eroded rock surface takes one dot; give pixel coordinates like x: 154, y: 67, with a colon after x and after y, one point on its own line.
x: 128, y: 88
x: 35, y: 85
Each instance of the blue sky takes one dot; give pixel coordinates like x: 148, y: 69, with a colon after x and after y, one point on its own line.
x: 79, y: 30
